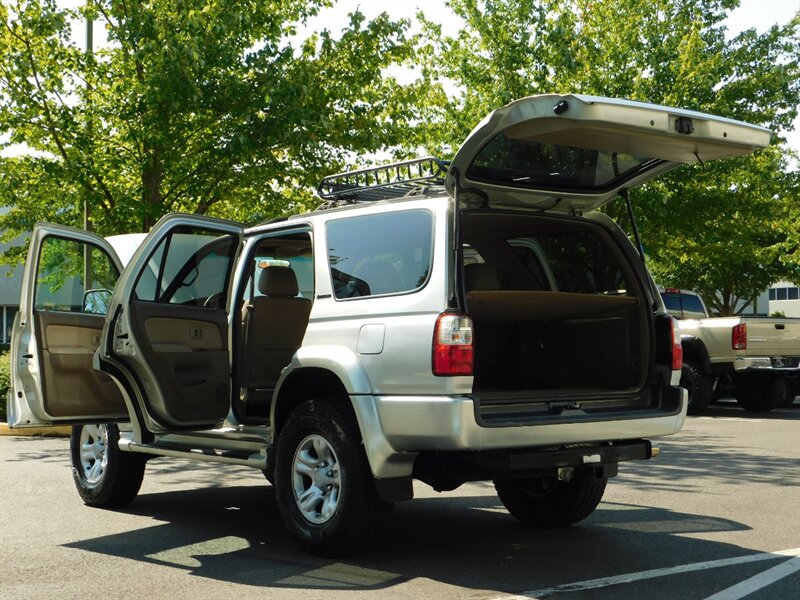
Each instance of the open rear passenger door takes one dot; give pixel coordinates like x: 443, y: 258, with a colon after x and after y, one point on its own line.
x: 67, y: 284
x: 167, y: 336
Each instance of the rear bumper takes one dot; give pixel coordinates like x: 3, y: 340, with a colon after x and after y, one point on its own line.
x: 765, y: 364
x: 396, y: 428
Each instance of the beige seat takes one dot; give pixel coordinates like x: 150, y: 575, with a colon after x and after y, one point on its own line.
x: 274, y: 326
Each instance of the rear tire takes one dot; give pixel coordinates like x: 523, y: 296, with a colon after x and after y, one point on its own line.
x: 783, y: 393
x: 699, y: 385
x: 547, y: 502
x: 105, y: 476
x: 325, y: 490
x: 758, y: 399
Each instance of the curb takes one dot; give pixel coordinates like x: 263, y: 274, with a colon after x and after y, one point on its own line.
x: 54, y: 431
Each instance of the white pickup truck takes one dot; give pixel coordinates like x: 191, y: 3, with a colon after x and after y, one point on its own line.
x: 755, y: 358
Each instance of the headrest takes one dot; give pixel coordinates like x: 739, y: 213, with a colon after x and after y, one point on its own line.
x: 278, y: 281
x: 480, y: 276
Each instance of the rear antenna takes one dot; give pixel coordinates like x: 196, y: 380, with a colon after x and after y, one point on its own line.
x: 624, y: 194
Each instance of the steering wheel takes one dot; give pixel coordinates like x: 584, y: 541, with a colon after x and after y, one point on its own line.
x: 213, y: 301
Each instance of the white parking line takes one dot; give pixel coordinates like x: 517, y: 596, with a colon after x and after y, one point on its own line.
x: 762, y: 580
x: 602, y: 582
x: 737, y: 419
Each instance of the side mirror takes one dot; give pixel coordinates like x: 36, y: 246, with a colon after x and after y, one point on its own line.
x: 95, y: 302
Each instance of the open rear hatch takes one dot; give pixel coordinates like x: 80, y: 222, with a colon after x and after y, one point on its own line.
x: 577, y: 152
x: 561, y: 304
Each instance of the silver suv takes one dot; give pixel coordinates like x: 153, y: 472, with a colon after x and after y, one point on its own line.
x: 476, y: 320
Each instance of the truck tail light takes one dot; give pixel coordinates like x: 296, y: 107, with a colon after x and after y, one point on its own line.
x: 677, y: 349
x: 739, y: 337
x: 453, y: 350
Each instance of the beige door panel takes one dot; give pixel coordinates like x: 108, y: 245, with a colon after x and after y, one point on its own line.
x: 63, y: 339
x: 187, y: 349
x: 182, y: 335
x: 72, y: 388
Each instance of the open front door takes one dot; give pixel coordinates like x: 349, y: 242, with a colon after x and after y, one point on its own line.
x: 66, y: 287
x: 168, y: 323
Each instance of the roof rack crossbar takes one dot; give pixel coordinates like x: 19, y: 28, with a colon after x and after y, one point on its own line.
x: 384, y: 181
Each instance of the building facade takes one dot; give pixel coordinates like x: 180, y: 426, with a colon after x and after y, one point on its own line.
x: 10, y: 286
x: 784, y: 297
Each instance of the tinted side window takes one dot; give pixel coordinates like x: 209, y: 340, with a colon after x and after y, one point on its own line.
x: 381, y: 254
x: 582, y: 262
x: 74, y: 276
x: 189, y: 267
x: 286, y: 250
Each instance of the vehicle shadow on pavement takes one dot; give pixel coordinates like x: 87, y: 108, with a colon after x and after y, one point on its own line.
x: 692, y: 460
x: 234, y: 534
x: 727, y: 407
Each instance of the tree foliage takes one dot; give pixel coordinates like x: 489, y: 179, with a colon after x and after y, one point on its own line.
x: 722, y: 231
x: 212, y: 106
x: 725, y: 227
x: 203, y: 106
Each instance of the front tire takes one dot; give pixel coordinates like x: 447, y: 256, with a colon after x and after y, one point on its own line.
x: 105, y: 476
x: 699, y: 385
x: 325, y: 490
x: 547, y: 502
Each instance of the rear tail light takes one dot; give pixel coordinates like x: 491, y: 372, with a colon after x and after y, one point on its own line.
x: 453, y: 351
x: 739, y: 337
x: 677, y: 349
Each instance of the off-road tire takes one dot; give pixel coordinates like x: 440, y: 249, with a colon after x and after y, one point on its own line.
x: 105, y: 476
x: 699, y: 385
x: 357, y: 514
x: 546, y: 502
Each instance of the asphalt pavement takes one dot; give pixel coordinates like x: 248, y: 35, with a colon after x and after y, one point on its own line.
x: 715, y: 516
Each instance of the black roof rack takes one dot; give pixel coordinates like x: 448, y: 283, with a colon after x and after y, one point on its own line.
x: 395, y: 180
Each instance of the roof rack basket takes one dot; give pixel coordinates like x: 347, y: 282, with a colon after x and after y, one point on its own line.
x: 395, y: 180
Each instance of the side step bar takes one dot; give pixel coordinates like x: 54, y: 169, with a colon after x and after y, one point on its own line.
x: 255, y: 461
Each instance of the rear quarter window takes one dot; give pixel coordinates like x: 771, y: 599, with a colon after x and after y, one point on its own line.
x: 382, y: 254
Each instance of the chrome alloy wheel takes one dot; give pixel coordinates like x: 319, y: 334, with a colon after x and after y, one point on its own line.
x: 316, y: 479
x: 93, y: 452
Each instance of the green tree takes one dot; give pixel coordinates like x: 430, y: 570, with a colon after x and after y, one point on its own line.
x: 724, y: 237
x: 725, y: 227
x: 203, y: 106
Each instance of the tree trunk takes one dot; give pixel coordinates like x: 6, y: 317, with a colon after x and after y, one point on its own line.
x: 152, y: 174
